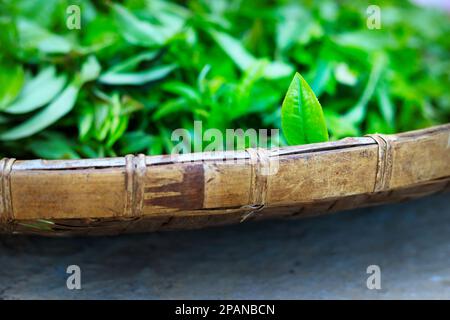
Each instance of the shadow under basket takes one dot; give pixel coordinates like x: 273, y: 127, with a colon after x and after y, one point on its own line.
x: 148, y: 193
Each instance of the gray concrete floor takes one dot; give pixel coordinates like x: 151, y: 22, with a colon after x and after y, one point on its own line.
x: 323, y: 257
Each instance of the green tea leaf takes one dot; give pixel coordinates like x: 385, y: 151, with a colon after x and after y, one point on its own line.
x: 365, y: 40
x: 118, y: 128
x: 234, y: 49
x: 38, y: 91
x: 85, y: 122
x: 3, y: 119
x: 339, y: 126
x: 11, y: 81
x: 322, y: 77
x: 358, y: 112
x: 292, y: 21
x: 245, y: 60
x: 376, y: 124
x: 90, y: 70
x: 386, y: 107
x: 183, y: 90
x: 302, y: 118
x: 344, y: 75
x: 135, y: 141
x: 277, y: 69
x: 169, y: 108
x: 54, y: 147
x: 101, y: 120
x: 33, y: 37
x: 134, y: 61
x: 46, y: 117
x: 60, y: 106
x: 135, y: 30
x: 136, y: 78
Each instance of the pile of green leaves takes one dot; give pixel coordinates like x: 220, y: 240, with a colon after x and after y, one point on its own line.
x: 138, y: 69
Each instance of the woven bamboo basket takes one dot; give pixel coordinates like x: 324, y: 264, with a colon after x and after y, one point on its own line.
x: 148, y: 193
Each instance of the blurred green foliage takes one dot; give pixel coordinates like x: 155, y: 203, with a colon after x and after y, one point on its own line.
x: 137, y: 69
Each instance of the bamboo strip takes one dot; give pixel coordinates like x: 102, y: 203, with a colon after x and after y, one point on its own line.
x: 143, y: 193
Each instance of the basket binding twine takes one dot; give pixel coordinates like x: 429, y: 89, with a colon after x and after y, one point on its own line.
x: 135, y: 170
x: 6, y: 210
x: 385, y: 161
x: 260, y: 162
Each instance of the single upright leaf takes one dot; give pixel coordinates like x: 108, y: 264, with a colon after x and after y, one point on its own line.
x: 38, y: 91
x: 302, y: 118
